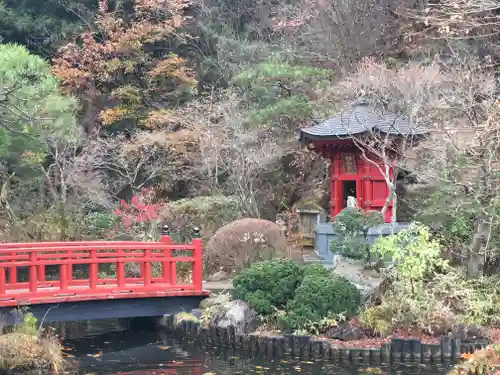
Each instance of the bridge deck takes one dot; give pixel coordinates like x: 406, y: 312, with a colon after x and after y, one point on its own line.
x: 51, y: 293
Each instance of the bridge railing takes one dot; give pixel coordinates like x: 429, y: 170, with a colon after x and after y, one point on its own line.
x: 36, y: 257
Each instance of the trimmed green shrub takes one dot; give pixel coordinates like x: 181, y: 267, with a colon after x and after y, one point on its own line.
x: 351, y: 226
x: 315, y: 269
x: 306, y: 293
x: 268, y: 285
x: 320, y: 296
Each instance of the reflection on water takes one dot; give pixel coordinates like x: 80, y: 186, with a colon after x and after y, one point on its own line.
x: 155, y: 353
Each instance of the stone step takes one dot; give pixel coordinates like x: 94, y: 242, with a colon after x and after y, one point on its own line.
x: 218, y: 286
x: 317, y: 260
x: 310, y: 258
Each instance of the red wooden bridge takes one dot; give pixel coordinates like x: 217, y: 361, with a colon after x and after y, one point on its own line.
x: 65, y: 281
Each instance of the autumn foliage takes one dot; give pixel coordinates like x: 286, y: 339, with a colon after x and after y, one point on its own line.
x: 481, y: 362
x: 139, y: 210
x: 116, y: 66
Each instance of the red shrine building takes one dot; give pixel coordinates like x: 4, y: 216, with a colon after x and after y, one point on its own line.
x: 350, y: 174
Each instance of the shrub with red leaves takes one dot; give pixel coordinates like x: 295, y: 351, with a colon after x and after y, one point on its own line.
x: 139, y: 212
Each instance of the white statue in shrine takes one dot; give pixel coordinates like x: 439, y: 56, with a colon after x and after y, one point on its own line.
x: 352, y: 202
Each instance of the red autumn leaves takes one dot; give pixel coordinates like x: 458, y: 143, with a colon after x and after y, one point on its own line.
x: 139, y: 210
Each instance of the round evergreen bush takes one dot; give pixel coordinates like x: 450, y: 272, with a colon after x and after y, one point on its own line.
x: 268, y: 285
x: 315, y: 269
x: 320, y: 296
x: 351, y: 227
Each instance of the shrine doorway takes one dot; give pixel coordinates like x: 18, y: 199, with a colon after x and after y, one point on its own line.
x: 349, y: 189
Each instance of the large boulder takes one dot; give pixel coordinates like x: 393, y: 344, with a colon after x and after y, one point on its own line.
x: 215, y: 300
x: 218, y: 276
x: 367, y: 281
x: 343, y: 331
x: 237, y: 314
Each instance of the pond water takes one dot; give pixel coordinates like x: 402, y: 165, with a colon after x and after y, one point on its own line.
x: 156, y: 353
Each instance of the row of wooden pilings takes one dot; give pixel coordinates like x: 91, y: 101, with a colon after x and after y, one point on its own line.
x: 449, y: 349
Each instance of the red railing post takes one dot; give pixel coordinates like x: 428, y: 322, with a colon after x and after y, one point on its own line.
x: 69, y: 267
x: 143, y: 271
x: 120, y: 269
x: 32, y: 278
x: 2, y: 281
x: 13, y: 270
x: 41, y: 272
x: 147, y: 267
x: 197, y: 263
x: 168, y: 267
x: 93, y: 269
x: 63, y: 276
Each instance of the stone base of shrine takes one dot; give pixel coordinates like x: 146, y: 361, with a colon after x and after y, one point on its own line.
x: 324, y: 235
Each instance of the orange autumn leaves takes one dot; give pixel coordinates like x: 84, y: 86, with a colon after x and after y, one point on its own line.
x: 126, y: 61
x: 481, y: 362
x: 466, y: 356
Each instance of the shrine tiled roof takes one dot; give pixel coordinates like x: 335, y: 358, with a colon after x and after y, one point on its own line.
x: 360, y: 119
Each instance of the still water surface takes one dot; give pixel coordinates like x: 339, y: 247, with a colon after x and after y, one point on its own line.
x: 156, y: 353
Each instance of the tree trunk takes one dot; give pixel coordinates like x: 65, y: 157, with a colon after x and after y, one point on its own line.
x: 392, y: 196
x: 387, y: 201
x: 394, y: 211
x: 475, y: 262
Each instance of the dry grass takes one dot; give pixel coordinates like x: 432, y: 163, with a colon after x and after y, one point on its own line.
x: 20, y: 352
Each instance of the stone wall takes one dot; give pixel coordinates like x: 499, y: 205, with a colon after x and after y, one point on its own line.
x: 325, y: 235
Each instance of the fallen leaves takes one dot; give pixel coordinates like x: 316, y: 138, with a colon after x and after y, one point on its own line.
x: 466, y: 356
x: 376, y: 342
x: 484, y: 361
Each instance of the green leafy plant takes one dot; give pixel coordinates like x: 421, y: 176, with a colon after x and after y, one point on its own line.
x: 206, y: 316
x: 424, y: 292
x: 268, y: 285
x: 351, y: 227
x: 319, y: 297
x: 414, y: 253
x: 295, y: 297
x: 317, y: 327
x: 271, y: 322
x: 377, y: 319
x: 408, y: 301
x: 28, y: 326
x: 315, y: 269
x: 185, y: 317
x: 453, y: 218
